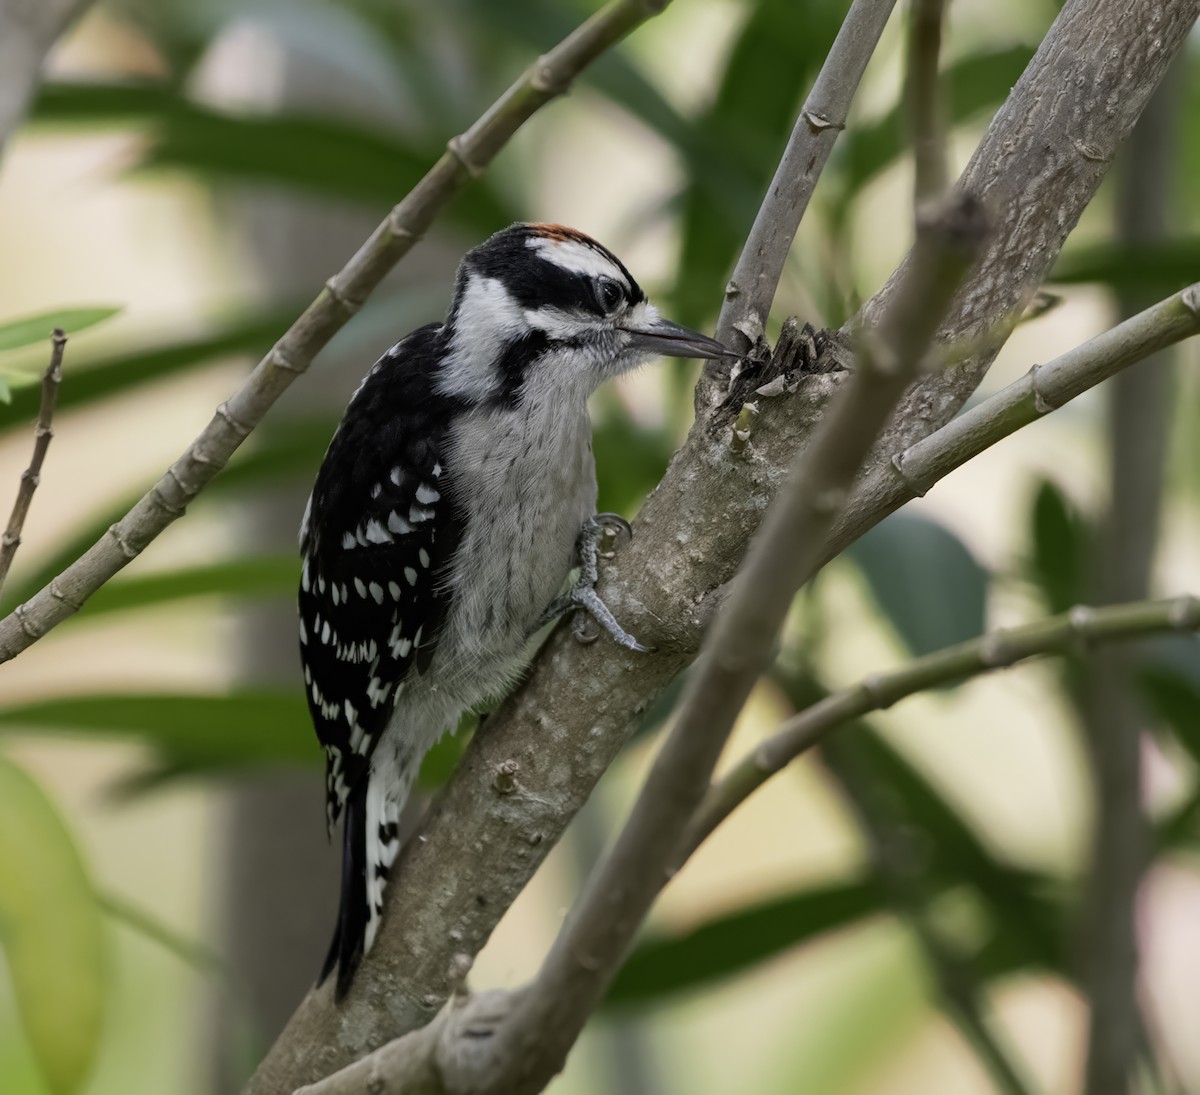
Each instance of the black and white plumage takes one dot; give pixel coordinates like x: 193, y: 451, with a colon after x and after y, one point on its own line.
x: 444, y: 521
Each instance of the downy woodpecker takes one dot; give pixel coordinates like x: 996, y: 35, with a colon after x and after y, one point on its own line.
x: 456, y: 497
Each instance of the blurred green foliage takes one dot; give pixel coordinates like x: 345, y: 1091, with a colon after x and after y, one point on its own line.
x: 927, y: 588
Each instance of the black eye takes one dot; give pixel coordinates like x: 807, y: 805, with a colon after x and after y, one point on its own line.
x: 608, y: 294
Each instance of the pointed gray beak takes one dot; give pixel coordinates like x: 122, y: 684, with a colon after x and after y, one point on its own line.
x: 671, y: 340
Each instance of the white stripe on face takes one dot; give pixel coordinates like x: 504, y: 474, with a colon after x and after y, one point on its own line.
x: 577, y: 257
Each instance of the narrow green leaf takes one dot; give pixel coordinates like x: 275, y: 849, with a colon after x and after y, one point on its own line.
x: 33, y: 329
x: 315, y: 153
x: 194, y: 732
x: 273, y: 576
x: 1060, y: 548
x: 667, y: 964
x: 925, y: 580
x: 1176, y: 700
x: 98, y: 378
x: 1160, y: 268
x: 52, y: 933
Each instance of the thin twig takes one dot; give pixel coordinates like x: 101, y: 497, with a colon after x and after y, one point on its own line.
x: 999, y: 649
x: 466, y: 156
x: 922, y: 100
x: 751, y: 288
x: 895, y: 862
x: 532, y: 1044
x: 913, y: 472
x: 11, y: 540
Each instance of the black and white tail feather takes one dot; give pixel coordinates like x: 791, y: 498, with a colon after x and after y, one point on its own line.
x: 443, y: 523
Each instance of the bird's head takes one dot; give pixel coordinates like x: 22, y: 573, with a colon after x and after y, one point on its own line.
x: 540, y: 299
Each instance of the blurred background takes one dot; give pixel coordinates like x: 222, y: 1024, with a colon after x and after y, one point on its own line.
x: 191, y: 173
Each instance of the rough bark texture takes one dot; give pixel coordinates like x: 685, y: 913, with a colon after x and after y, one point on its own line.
x: 538, y: 758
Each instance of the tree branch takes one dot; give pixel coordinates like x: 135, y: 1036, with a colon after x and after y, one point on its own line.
x: 998, y: 649
x: 552, y: 740
x: 466, y: 156
x: 921, y: 91
x: 43, y: 432
x: 755, y: 278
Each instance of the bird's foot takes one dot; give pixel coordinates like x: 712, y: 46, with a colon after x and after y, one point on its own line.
x: 582, y: 597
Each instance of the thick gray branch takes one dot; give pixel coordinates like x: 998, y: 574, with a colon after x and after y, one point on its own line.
x: 540, y: 755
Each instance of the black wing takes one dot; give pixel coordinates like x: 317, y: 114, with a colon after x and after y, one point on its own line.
x: 376, y: 539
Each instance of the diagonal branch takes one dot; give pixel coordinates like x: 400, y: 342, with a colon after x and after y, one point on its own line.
x: 43, y: 432
x: 751, y: 288
x: 922, y: 95
x: 466, y: 156
x: 1000, y: 649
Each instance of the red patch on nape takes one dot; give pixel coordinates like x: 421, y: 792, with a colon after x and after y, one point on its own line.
x: 560, y: 233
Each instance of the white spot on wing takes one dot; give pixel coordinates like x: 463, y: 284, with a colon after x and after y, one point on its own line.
x: 426, y: 494
x: 394, y: 590
x: 423, y: 555
x: 377, y: 534
x: 348, y: 540
x: 410, y: 576
x: 376, y: 592
x: 397, y: 524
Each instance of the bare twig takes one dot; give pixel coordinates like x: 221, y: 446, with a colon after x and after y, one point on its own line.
x: 999, y: 649
x: 11, y: 540
x: 466, y: 156
x: 896, y: 863
x: 922, y: 96
x: 751, y: 289
x: 913, y: 472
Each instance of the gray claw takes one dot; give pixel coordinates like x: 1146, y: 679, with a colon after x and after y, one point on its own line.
x: 583, y: 597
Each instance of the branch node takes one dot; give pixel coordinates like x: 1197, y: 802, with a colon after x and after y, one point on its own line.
x: 397, y: 228
x: 543, y: 79
x: 732, y: 289
x: 1081, y: 619
x: 1041, y: 404
x: 740, y: 433
x: 175, y: 509
x: 504, y: 779
x: 127, y: 549
x: 56, y: 592
x: 27, y: 626
x: 455, y: 147
x: 875, y: 686
x: 240, y: 428
x: 1184, y: 613
x: 995, y: 651
x: 281, y: 361
x: 896, y: 463
x: 350, y: 307
x: 1190, y: 299
x: 817, y: 121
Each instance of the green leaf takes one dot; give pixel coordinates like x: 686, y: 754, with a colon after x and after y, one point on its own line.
x: 667, y: 964
x: 195, y: 732
x: 313, y: 153
x: 1059, y: 562
x: 1021, y: 913
x: 1158, y: 268
x: 1176, y: 700
x: 925, y: 580
x: 271, y: 576
x: 51, y: 931
x: 15, y: 333
x: 98, y: 378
